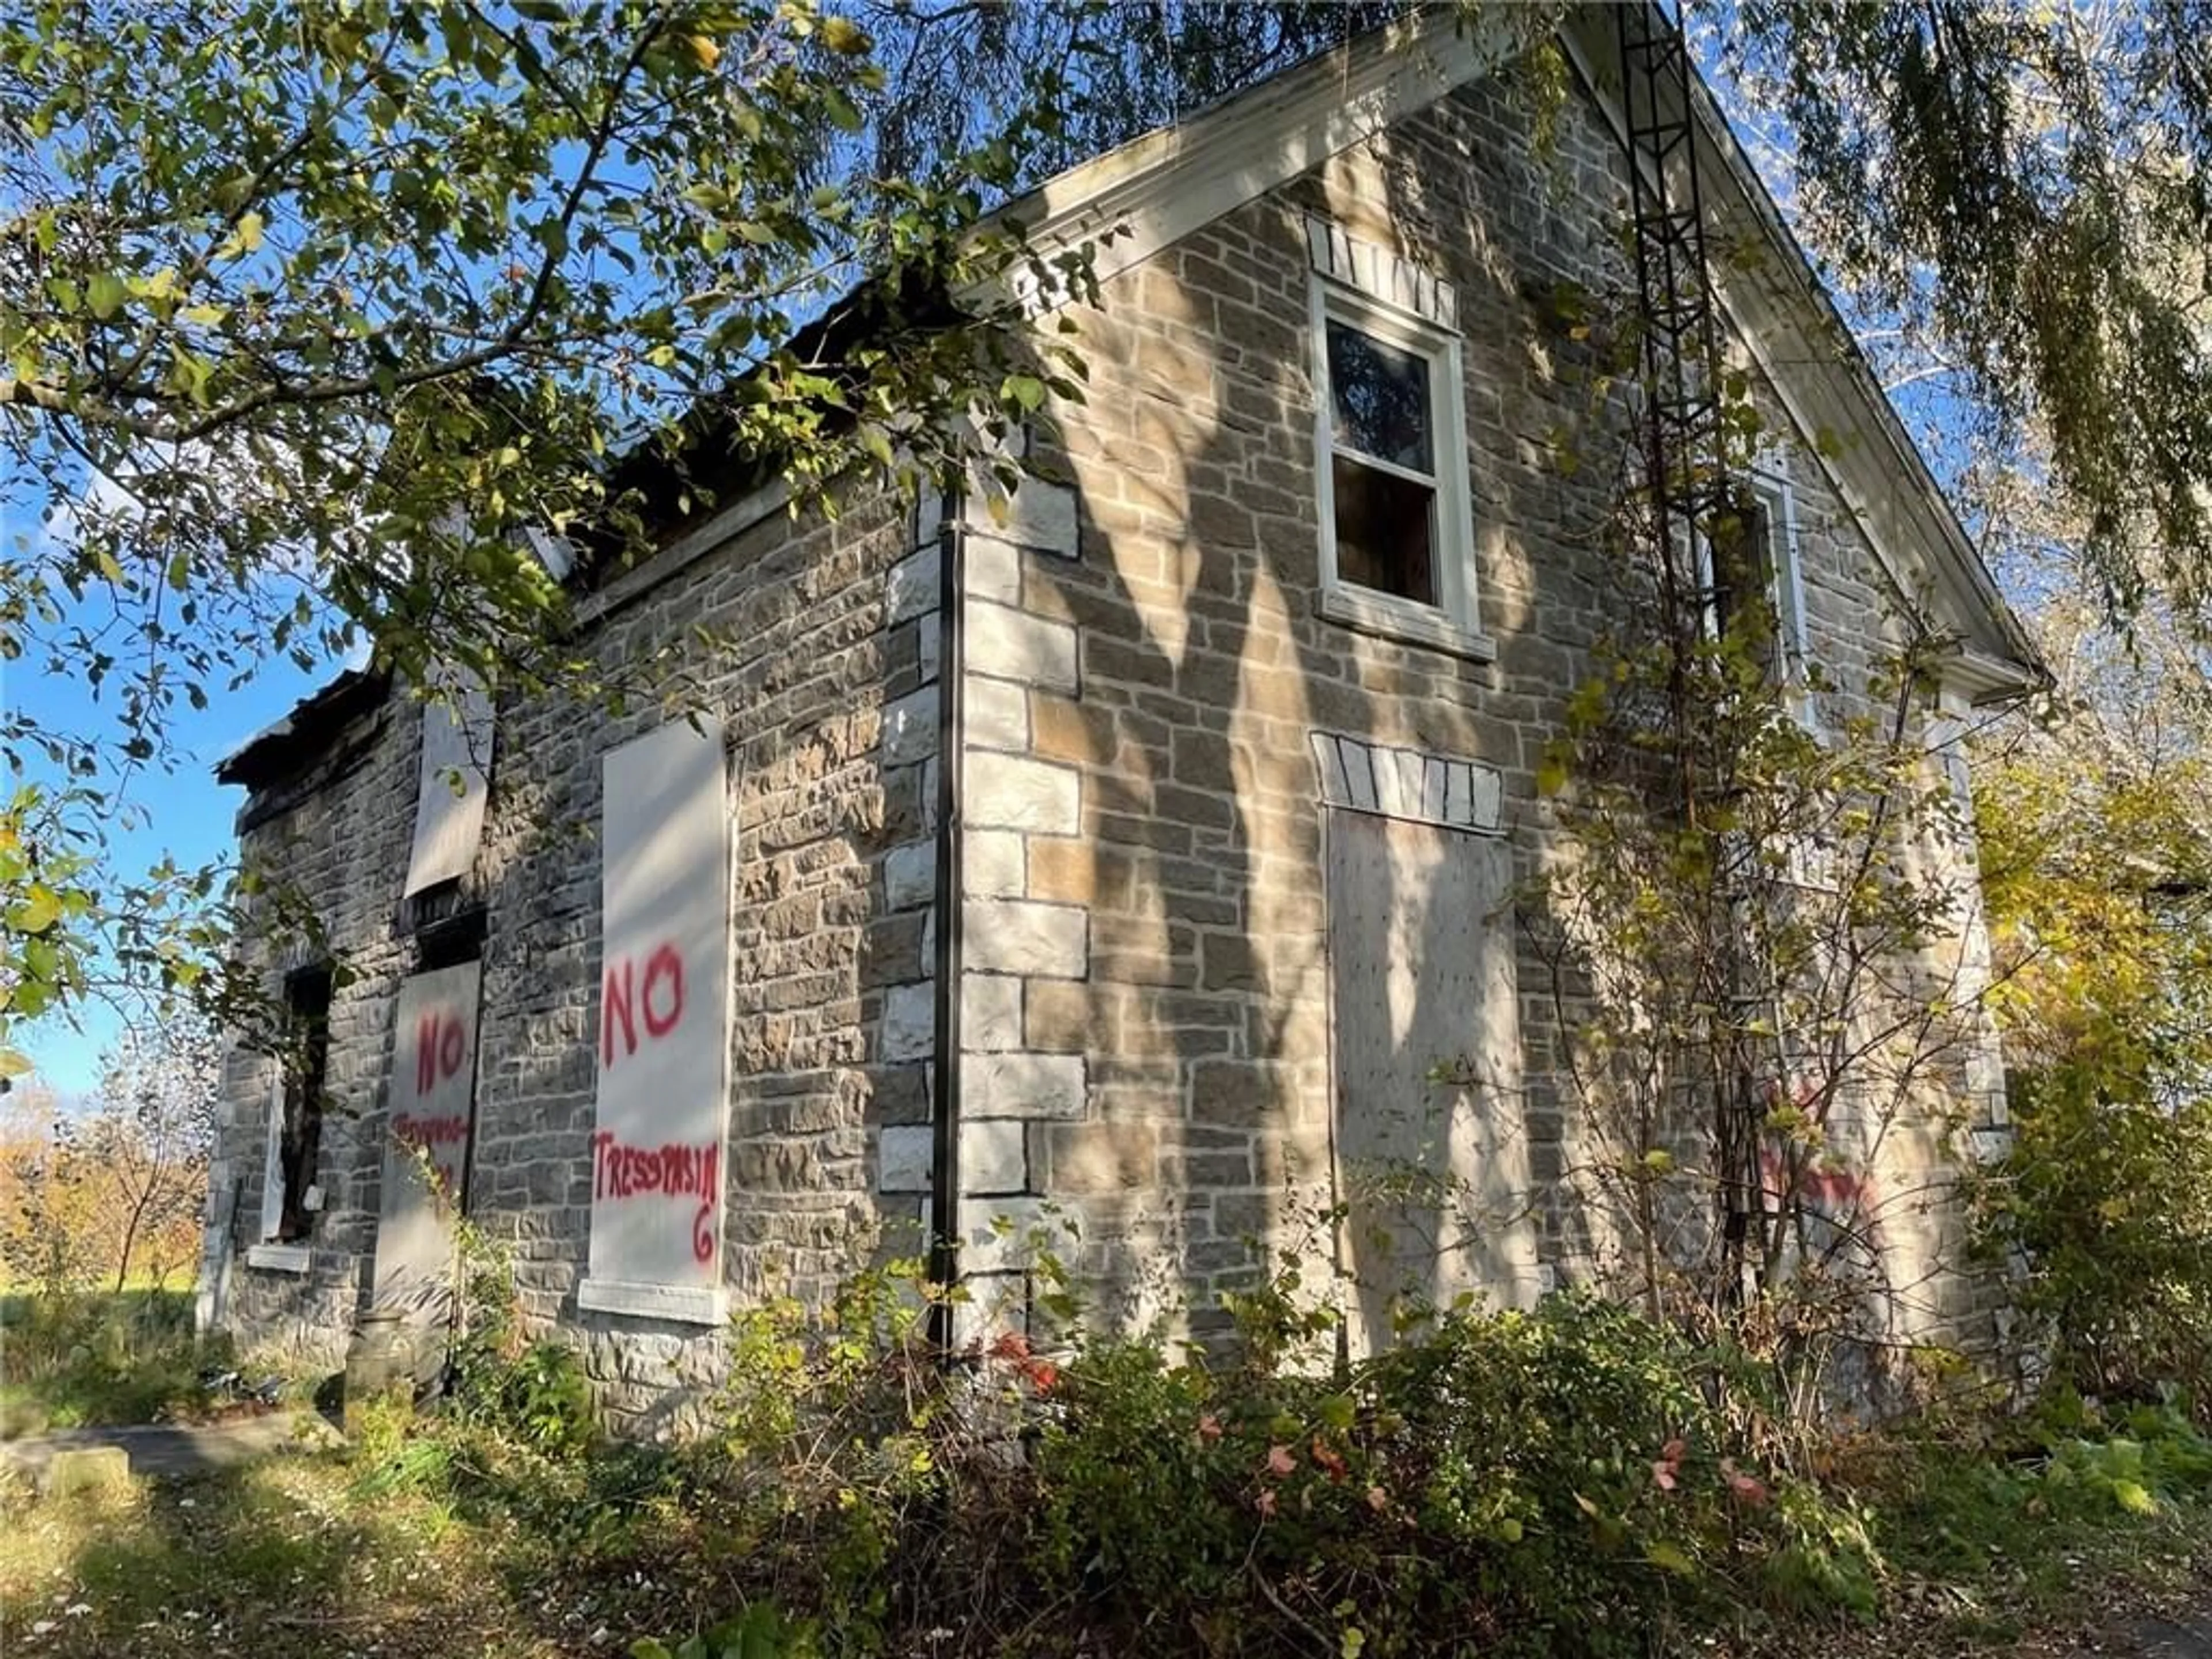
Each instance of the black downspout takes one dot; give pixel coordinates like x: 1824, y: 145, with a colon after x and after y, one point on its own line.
x: 945, y: 1095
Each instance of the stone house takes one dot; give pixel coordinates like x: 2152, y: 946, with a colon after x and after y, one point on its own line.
x: 1121, y: 864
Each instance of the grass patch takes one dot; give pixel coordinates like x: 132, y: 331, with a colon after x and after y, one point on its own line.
x: 70, y: 1360
x: 2059, y: 1516
x: 276, y: 1559
x: 477, y: 1544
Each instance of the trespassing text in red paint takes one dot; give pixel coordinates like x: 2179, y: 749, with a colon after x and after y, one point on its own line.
x: 655, y: 997
x: 1832, y: 1194
x: 430, y: 1131
x: 441, y: 1044
x: 621, y: 1172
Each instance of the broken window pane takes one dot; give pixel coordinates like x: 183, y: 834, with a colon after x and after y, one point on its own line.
x: 307, y: 1023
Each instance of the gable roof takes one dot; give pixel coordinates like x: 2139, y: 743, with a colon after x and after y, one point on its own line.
x: 1140, y: 197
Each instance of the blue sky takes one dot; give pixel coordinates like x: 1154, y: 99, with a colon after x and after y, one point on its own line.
x: 181, y: 813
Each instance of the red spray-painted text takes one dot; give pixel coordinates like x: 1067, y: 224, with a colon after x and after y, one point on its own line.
x: 441, y: 1044
x: 657, y: 996
x: 620, y: 1172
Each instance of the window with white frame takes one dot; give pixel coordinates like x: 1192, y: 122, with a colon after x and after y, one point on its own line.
x: 1753, y: 550
x: 1397, y: 538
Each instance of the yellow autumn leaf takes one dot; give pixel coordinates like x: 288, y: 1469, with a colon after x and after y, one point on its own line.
x: 38, y: 910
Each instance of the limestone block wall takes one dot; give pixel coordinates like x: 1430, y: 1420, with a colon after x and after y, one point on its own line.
x: 812, y: 645
x: 804, y: 642
x: 341, y: 849
x: 1147, y: 819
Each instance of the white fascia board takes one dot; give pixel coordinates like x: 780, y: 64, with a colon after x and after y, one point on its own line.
x: 1152, y: 191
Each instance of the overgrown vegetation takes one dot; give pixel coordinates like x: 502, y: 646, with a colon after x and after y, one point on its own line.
x: 1571, y: 1479
x: 71, y: 1359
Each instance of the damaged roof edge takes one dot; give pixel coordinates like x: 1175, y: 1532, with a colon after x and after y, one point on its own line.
x: 304, y: 733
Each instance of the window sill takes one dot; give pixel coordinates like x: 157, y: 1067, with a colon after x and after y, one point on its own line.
x: 1408, y: 624
x: 686, y: 1304
x: 279, y: 1258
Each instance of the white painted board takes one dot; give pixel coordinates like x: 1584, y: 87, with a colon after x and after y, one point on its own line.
x: 451, y: 787
x: 657, y: 1164
x: 1434, y: 1172
x: 427, y: 1135
x: 273, y: 1165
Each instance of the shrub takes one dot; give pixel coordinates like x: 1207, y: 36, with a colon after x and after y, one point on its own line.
x: 74, y: 1357
x: 2101, y: 1199
x: 1563, y: 1481
x: 1554, y: 1482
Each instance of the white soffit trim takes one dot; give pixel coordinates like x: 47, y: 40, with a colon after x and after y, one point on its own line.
x: 1789, y: 324
x: 1156, y: 190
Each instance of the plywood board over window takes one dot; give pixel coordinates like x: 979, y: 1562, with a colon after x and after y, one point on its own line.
x: 657, y: 1144
x: 452, y: 786
x: 427, y: 1139
x: 1431, y: 1147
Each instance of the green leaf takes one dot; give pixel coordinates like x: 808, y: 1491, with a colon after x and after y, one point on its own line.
x: 245, y: 237
x: 2132, y: 1496
x: 1668, y: 1557
x: 106, y: 292
x: 39, y: 910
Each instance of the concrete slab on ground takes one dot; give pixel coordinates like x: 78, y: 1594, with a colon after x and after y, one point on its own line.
x: 167, y: 1450
x: 2185, y: 1636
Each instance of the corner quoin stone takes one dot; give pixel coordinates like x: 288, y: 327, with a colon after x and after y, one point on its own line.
x: 1017, y: 936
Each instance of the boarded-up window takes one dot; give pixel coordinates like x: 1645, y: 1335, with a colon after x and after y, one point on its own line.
x: 1431, y: 1149
x: 657, y: 1163
x: 451, y: 786
x: 426, y: 1153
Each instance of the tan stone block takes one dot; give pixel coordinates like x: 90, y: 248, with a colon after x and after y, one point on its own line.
x: 1100, y: 1158
x: 1076, y: 871
x: 1240, y: 1092
x: 1065, y: 1017
x: 1063, y: 729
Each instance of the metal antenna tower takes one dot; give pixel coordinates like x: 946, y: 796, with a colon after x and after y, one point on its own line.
x: 1684, y: 454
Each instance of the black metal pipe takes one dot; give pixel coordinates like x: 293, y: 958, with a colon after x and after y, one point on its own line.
x: 944, y: 1093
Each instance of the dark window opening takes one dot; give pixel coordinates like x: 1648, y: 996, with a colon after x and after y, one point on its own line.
x: 1382, y: 466
x: 451, y: 939
x: 1742, y: 565
x: 1385, y: 535
x: 306, y: 1059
